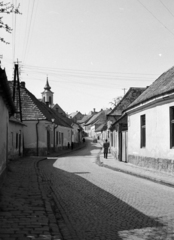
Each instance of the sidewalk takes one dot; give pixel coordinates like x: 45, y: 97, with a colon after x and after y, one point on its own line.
x: 153, y: 175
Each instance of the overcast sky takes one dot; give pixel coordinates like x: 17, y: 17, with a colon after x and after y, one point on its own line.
x: 90, y: 49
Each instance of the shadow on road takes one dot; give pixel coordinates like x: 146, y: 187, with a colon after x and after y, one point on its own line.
x: 95, y: 213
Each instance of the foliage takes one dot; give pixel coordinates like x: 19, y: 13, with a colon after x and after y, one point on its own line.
x: 7, y: 8
x: 115, y: 101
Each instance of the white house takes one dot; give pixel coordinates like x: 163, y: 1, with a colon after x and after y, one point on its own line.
x: 151, y: 125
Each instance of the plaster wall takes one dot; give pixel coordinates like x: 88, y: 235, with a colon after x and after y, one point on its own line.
x: 13, y: 147
x: 3, y: 134
x: 66, y: 134
x: 30, y: 137
x: 157, y: 152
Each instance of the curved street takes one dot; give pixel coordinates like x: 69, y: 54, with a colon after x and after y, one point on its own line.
x: 95, y: 203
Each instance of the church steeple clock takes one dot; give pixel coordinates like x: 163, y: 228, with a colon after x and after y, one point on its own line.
x: 47, y: 94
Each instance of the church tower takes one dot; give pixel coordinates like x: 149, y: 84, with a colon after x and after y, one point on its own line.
x: 47, y: 94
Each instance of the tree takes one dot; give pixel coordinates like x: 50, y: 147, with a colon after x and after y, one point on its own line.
x: 115, y: 101
x: 7, y: 8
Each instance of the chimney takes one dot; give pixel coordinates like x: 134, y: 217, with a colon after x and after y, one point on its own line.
x: 94, y: 110
x: 47, y: 103
x: 22, y: 84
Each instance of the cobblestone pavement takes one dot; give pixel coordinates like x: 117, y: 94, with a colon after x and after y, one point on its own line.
x: 25, y: 210
x: 96, y: 203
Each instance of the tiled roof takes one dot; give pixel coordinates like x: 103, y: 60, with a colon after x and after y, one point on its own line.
x: 85, y: 119
x: 72, y: 115
x: 33, y: 109
x: 5, y: 91
x: 164, y: 84
x: 101, y: 115
x: 101, y: 127
x: 132, y: 94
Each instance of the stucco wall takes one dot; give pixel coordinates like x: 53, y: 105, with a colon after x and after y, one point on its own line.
x: 3, y: 136
x: 13, y: 149
x: 157, y: 137
x: 66, y: 134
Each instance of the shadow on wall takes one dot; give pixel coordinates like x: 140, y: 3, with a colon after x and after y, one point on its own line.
x: 95, y: 213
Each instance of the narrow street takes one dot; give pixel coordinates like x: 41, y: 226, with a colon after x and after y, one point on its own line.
x: 95, y: 203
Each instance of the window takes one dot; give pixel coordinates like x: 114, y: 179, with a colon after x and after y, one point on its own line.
x: 16, y: 140
x: 171, y: 127
x: 62, y: 138
x: 12, y: 139
x: 50, y: 101
x: 143, y: 130
x: 56, y: 137
x: 59, y: 138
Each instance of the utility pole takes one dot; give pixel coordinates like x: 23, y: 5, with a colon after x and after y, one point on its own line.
x: 124, y: 89
x: 16, y: 86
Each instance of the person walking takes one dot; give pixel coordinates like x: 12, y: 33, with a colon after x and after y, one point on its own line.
x: 106, y: 147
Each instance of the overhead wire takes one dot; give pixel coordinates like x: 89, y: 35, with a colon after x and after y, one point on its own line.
x: 156, y: 17
x: 166, y: 8
x: 14, y: 30
x: 26, y: 29
x: 29, y: 31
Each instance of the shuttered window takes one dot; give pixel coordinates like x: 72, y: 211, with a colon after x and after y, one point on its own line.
x: 143, y: 130
x: 171, y: 127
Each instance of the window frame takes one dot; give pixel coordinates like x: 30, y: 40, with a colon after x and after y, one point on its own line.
x: 143, y: 131
x: 171, y: 119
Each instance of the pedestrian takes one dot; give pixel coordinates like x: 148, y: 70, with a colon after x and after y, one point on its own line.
x: 106, y: 147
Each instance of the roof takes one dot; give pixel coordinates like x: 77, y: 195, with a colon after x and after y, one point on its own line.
x: 132, y: 94
x: 16, y: 121
x: 57, y: 107
x: 101, y: 127
x: 5, y: 91
x: 72, y: 115
x: 164, y: 84
x: 84, y: 119
x: 101, y: 115
x: 33, y: 109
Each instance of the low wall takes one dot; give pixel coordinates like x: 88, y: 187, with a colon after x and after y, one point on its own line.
x: 159, y: 164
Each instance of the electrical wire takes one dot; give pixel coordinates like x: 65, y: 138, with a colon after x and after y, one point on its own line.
x: 156, y: 17
x: 29, y: 31
x: 166, y: 8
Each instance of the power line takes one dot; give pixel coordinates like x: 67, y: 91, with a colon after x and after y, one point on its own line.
x: 155, y: 17
x: 166, y: 8
x: 77, y: 70
x: 29, y: 31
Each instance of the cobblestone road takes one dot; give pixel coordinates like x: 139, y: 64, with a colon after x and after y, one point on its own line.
x: 96, y: 203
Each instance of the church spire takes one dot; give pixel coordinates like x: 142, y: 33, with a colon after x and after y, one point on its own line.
x: 47, y: 86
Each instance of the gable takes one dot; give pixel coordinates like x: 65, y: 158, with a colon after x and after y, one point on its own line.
x: 162, y: 85
x: 130, y: 97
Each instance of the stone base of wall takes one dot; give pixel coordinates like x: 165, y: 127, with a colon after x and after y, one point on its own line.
x: 159, y: 164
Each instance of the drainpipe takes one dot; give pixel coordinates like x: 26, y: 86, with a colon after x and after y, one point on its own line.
x: 37, y: 138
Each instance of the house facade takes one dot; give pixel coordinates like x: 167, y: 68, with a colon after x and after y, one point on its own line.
x: 46, y: 130
x: 151, y: 126
x: 15, y: 138
x: 117, y: 131
x: 76, y: 116
x: 6, y: 110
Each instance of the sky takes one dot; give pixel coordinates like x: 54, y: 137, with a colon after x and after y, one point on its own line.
x: 91, y: 51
